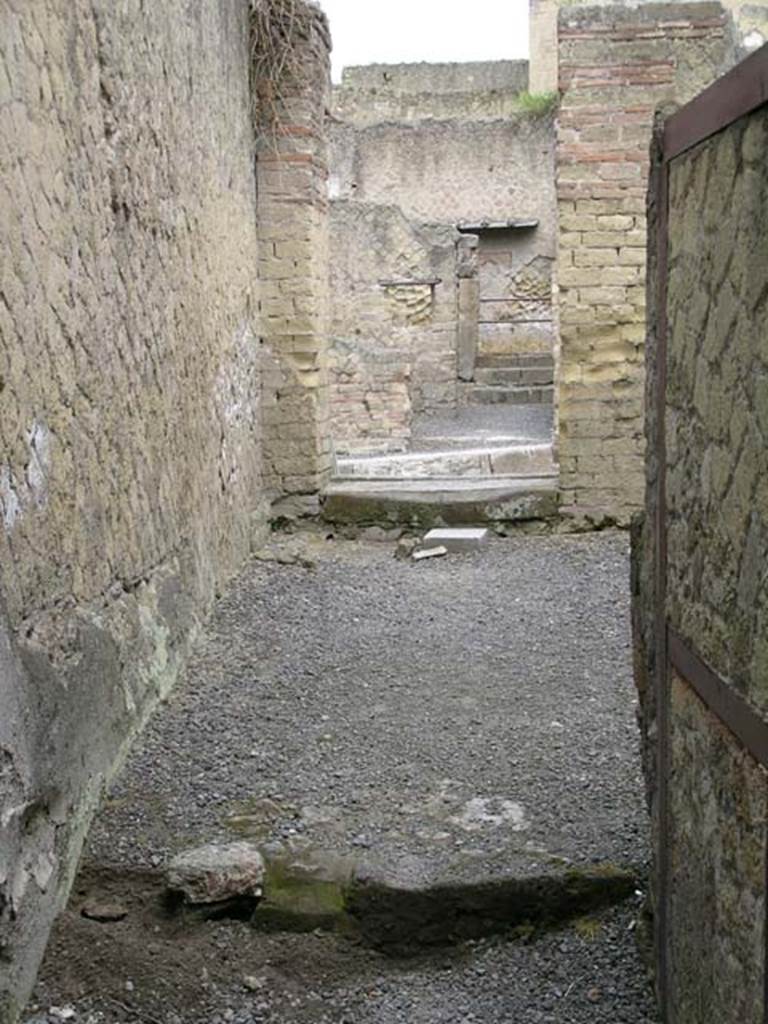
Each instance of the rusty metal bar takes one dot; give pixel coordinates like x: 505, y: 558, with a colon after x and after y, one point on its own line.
x: 736, y: 94
x: 721, y: 698
x: 661, y: 171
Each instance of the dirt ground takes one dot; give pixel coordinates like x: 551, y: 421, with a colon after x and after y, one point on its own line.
x: 459, y: 726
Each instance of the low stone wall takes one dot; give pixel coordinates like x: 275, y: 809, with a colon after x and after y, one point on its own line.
x: 616, y: 65
x: 130, y: 447
x: 393, y: 326
x: 701, y: 591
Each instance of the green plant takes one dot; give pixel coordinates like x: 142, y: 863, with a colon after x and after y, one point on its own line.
x: 538, y: 104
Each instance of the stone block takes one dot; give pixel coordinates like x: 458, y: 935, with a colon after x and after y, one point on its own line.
x: 214, y: 873
x: 457, y: 539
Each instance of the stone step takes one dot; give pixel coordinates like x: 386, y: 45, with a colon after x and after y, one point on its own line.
x: 507, y: 359
x: 440, y: 502
x: 487, y: 461
x: 515, y: 375
x: 484, y: 394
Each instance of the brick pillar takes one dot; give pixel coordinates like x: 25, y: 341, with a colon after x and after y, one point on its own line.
x: 616, y: 65
x: 292, y: 177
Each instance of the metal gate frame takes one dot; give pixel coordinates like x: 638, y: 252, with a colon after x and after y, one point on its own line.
x: 740, y: 92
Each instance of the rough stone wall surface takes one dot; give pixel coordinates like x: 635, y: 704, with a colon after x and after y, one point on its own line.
x: 717, y: 479
x: 452, y: 170
x: 393, y: 327
x: 716, y: 526
x: 616, y: 65
x: 441, y: 79
x: 130, y: 467
x: 292, y: 173
x: 410, y: 92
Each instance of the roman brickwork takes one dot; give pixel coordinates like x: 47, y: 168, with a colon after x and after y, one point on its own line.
x: 617, y: 65
x: 292, y: 183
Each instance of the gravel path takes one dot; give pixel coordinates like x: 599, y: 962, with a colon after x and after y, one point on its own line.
x: 462, y: 719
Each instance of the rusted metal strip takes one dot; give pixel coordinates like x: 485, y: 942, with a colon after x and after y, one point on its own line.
x: 661, y: 170
x: 736, y: 94
x: 765, y: 937
x: 720, y: 697
x: 741, y: 719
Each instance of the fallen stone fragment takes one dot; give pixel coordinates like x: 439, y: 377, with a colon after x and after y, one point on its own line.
x: 61, y: 1013
x: 406, y: 546
x: 423, y: 553
x: 104, y: 912
x: 211, y: 874
x: 253, y: 983
x: 456, y: 538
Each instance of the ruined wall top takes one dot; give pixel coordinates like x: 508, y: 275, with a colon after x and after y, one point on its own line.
x: 472, y: 76
x: 416, y: 92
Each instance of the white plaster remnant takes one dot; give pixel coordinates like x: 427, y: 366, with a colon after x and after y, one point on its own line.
x: 754, y: 40
x: 480, y: 812
x: 18, y: 494
x: 43, y: 870
x: 436, y: 552
x: 9, y: 500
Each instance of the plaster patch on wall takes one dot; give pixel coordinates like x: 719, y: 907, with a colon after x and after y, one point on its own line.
x: 18, y: 494
x: 754, y: 40
x: 236, y: 399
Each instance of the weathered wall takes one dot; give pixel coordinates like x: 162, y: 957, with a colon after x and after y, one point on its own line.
x: 130, y: 453
x: 750, y: 20
x: 292, y: 181
x: 394, y: 323
x: 616, y: 65
x: 373, y: 93
x: 452, y: 170
x: 705, y: 586
x: 446, y: 145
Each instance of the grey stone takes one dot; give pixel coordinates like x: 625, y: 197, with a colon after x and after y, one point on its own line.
x: 457, y: 538
x: 210, y: 874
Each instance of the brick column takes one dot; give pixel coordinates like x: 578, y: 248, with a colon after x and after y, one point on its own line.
x: 292, y: 176
x: 616, y: 66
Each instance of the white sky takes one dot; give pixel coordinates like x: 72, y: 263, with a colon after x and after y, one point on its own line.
x: 394, y: 31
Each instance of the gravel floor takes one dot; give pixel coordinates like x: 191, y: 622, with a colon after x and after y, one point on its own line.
x: 452, y: 720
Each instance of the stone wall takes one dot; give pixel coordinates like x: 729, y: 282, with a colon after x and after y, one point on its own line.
x: 130, y: 458
x: 451, y: 171
x: 374, y: 93
x: 616, y: 65
x: 434, y: 148
x: 701, y: 591
x: 394, y: 323
x: 292, y: 181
